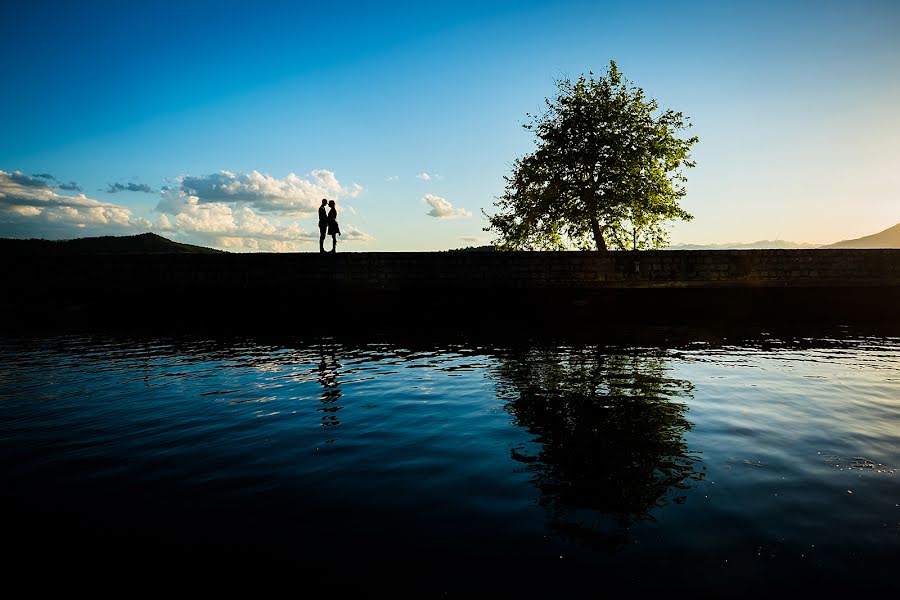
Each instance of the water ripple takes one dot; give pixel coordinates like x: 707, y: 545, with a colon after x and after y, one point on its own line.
x: 615, y: 457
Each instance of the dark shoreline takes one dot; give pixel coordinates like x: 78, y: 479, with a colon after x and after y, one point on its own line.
x: 524, y: 294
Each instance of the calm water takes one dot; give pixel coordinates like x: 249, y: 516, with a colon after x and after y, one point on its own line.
x: 757, y: 466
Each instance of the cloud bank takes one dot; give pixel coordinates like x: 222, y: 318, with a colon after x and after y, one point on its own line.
x: 232, y: 211
x: 442, y: 209
x: 292, y: 195
x: 32, y: 207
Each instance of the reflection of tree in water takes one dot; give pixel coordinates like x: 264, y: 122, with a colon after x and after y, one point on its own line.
x: 609, y: 433
x: 326, y: 374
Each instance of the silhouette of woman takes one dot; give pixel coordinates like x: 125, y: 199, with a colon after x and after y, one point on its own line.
x: 333, y: 227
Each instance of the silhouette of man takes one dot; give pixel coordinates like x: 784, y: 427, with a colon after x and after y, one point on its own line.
x: 323, y: 224
x: 333, y: 227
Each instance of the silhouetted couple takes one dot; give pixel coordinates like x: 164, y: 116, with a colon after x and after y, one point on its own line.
x: 328, y: 224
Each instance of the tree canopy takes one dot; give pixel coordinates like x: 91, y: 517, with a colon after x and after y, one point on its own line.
x: 607, y: 171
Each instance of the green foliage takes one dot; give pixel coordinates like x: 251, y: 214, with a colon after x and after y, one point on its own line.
x: 607, y: 171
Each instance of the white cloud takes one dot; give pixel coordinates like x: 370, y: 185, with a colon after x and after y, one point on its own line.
x: 442, y: 209
x: 353, y: 234
x: 291, y: 195
x: 423, y: 176
x: 393, y: 178
x: 163, y: 223
x: 25, y: 211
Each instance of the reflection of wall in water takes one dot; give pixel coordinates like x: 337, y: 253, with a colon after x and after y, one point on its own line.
x: 609, y: 432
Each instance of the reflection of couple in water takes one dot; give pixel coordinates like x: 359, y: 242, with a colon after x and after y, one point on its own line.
x: 328, y: 224
x: 328, y: 378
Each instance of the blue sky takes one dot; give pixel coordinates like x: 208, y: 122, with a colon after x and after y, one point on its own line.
x: 223, y: 123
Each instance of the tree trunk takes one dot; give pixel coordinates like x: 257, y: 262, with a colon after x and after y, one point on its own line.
x: 598, y: 235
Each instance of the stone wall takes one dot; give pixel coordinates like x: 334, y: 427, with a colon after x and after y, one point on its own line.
x: 485, y: 270
x: 486, y: 286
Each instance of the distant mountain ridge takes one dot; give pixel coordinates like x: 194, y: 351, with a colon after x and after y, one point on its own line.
x: 889, y: 238
x: 145, y: 243
x: 760, y: 245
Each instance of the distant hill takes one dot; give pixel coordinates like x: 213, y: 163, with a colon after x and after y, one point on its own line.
x: 145, y: 243
x: 889, y: 238
x: 760, y: 245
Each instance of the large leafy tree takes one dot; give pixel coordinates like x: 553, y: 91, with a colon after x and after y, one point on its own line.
x: 608, y: 171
